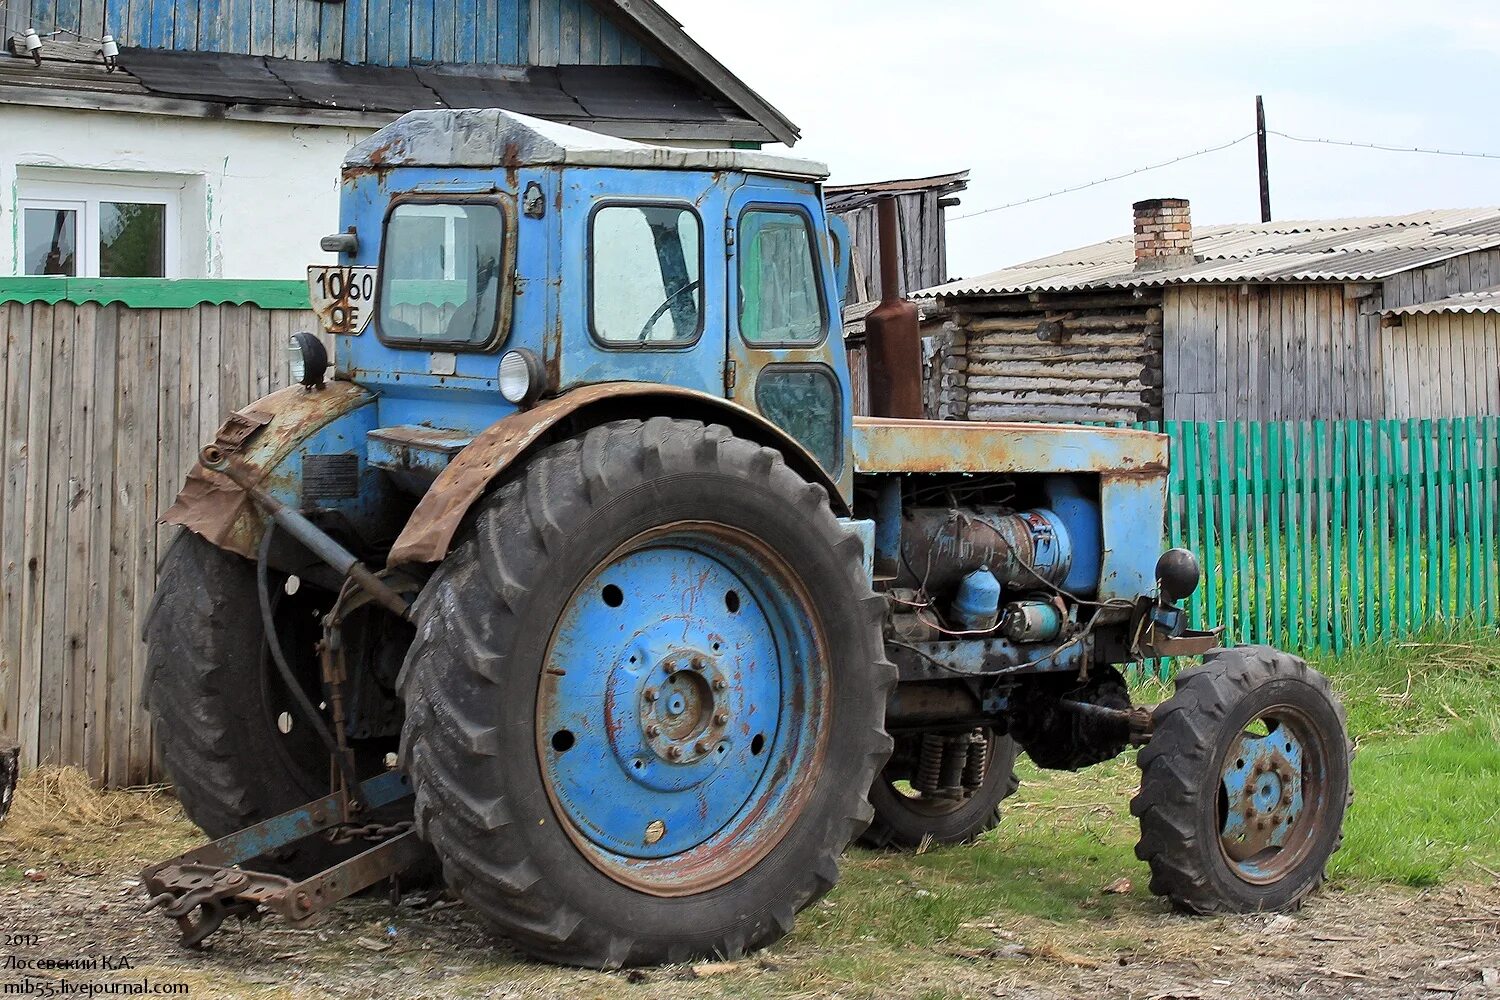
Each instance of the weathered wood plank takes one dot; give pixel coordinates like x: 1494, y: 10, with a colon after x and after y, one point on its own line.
x: 51, y: 529
x: 80, y: 537
x: 144, y: 552
x: 13, y: 459
x: 99, y: 641
x: 33, y: 551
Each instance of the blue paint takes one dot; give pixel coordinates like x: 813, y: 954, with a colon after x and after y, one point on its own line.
x: 1084, y: 531
x: 668, y: 708
x: 977, y: 603
x: 1263, y: 788
x: 838, y: 235
x: 291, y: 826
x: 865, y: 532
x: 374, y: 32
x: 888, y: 507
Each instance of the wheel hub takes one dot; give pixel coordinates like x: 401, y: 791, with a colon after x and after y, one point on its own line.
x: 1263, y: 785
x: 686, y: 716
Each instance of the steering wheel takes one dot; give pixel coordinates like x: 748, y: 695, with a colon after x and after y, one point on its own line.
x: 661, y: 310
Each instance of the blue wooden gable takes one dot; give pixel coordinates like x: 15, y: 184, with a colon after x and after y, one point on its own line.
x: 373, y: 32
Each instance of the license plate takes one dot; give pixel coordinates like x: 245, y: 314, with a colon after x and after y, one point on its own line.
x: 343, y: 297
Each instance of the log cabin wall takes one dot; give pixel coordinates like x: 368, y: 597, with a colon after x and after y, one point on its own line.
x: 1063, y: 357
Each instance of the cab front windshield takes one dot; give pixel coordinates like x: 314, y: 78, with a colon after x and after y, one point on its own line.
x: 442, y: 275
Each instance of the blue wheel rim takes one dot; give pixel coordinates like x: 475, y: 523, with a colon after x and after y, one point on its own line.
x: 680, y: 718
x: 1272, y: 781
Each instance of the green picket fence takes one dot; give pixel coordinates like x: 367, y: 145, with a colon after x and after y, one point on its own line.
x: 1331, y: 534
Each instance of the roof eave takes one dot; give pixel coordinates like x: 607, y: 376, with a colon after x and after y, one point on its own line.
x: 668, y: 32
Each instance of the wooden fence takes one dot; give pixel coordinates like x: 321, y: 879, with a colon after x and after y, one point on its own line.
x: 1327, y: 535
x: 102, y: 411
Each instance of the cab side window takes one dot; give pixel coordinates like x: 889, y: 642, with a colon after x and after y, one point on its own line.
x: 781, y: 301
x: 645, y: 275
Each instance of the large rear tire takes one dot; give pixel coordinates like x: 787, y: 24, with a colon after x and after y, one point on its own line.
x: 226, y: 730
x: 646, y: 698
x: 1244, y: 784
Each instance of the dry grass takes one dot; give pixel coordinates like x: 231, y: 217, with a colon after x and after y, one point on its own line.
x: 58, y: 816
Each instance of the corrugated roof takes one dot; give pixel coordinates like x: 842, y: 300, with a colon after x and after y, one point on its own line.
x: 1357, y: 249
x: 1485, y: 300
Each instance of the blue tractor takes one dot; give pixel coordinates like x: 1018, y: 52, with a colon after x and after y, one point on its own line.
x: 576, y: 576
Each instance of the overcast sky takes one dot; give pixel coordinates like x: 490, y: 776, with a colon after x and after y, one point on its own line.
x: 1037, y: 96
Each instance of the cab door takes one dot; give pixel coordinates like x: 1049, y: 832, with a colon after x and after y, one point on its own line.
x: 785, y: 353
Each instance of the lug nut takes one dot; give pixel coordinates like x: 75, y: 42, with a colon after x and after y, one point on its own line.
x: 720, y: 684
x: 721, y: 717
x: 698, y: 663
x: 703, y: 746
x: 674, y: 752
x: 651, y: 694
x: 653, y: 730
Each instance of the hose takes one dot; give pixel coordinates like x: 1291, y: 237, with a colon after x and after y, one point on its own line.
x: 273, y: 641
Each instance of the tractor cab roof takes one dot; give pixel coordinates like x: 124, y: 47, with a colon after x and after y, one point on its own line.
x: 491, y: 137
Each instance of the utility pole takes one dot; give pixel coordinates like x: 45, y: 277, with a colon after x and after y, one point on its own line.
x: 1260, y: 148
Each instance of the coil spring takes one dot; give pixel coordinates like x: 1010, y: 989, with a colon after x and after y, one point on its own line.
x: 978, y: 759
x: 929, y: 773
x: 955, y: 763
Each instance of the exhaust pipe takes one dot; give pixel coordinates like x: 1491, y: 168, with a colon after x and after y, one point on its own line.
x: 891, y: 333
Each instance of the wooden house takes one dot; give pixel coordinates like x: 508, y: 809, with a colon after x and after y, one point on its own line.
x: 1327, y: 319
x: 211, y: 146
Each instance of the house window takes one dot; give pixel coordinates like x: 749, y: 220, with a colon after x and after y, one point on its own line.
x: 87, y: 230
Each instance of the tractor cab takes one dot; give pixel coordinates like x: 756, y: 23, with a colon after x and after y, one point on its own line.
x: 490, y: 261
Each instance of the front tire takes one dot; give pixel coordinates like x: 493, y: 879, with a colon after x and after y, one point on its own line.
x: 1244, y: 784
x: 646, y: 698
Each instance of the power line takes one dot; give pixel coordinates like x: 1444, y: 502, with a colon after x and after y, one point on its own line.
x: 1106, y: 180
x: 1384, y: 147
x: 1214, y: 149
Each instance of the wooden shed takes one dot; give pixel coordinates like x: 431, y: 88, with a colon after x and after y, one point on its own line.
x: 922, y: 251
x: 1262, y: 321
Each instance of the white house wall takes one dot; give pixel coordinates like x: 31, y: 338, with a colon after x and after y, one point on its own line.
x: 256, y: 197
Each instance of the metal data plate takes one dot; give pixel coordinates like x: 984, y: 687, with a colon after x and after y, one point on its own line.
x: 343, y: 297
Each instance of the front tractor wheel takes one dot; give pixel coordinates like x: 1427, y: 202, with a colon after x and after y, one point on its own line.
x: 1244, y: 784
x: 646, y: 698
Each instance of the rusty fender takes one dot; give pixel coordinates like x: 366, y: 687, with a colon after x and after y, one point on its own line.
x: 430, y: 530
x: 260, y: 437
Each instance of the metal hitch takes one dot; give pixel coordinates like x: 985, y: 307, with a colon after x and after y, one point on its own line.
x: 202, y: 888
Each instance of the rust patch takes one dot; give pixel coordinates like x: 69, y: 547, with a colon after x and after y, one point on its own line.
x: 884, y: 445
x: 213, y: 506
x: 430, y: 530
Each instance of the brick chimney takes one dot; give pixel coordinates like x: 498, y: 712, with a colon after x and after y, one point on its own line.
x: 1163, y: 234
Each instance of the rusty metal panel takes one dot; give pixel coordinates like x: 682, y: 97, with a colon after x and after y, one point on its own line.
x: 213, y: 506
x: 887, y: 445
x: 430, y: 530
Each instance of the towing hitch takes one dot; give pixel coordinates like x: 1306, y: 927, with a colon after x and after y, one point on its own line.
x: 204, y: 887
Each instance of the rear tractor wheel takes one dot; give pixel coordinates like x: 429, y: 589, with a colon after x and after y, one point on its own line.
x: 1244, y: 784
x: 941, y: 788
x: 646, y: 698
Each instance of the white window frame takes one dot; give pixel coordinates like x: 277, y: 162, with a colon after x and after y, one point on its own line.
x: 85, y: 197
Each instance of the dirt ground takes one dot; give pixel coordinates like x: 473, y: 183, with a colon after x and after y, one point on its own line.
x: 1380, y: 943
x: 71, y: 924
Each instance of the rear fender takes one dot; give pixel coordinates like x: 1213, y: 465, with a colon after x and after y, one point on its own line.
x: 430, y: 530
x: 305, y: 447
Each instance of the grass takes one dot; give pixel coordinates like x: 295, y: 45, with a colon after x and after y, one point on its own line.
x: 1056, y: 889
x: 1425, y: 715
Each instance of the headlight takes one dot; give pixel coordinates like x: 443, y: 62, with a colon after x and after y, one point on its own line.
x: 521, y: 377
x: 309, y: 361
